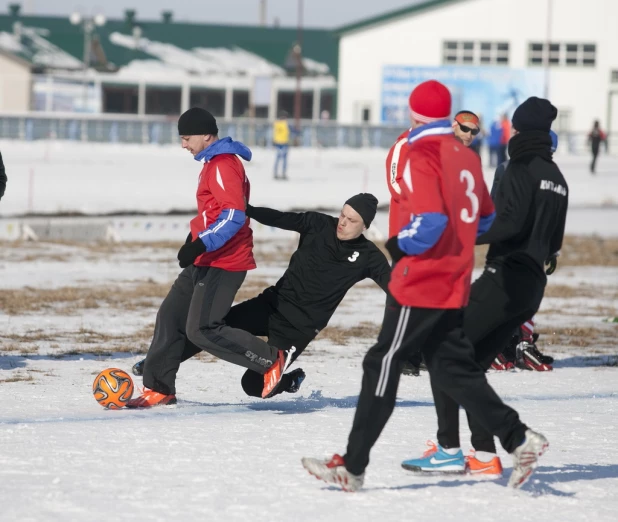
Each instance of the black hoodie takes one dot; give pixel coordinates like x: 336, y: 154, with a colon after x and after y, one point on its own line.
x: 531, y: 205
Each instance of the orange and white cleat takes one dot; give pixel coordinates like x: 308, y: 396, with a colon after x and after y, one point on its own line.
x: 272, y: 377
x: 150, y: 398
x: 484, y: 470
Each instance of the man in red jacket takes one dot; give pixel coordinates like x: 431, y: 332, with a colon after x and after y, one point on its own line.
x: 445, y: 204
x: 215, y: 260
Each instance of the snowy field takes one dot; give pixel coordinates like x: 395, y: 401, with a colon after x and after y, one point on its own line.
x: 69, y: 310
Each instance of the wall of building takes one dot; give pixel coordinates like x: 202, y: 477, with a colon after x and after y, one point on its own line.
x: 417, y: 40
x: 15, y: 85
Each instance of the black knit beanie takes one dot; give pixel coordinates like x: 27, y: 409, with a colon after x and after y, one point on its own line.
x: 366, y: 205
x: 197, y: 121
x: 534, y: 114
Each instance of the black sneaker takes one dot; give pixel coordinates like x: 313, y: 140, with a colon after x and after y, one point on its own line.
x: 529, y: 358
x: 410, y: 369
x: 138, y: 368
x: 297, y: 377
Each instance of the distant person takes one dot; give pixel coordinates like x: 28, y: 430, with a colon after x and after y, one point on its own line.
x: 505, y: 136
x: 281, y: 141
x: 493, y: 143
x: 595, y: 137
x: 3, y: 178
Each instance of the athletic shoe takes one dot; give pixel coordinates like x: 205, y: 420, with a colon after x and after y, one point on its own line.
x: 526, y: 458
x: 272, y: 377
x: 410, y: 369
x: 138, y: 368
x: 477, y: 468
x: 333, y: 472
x: 436, y: 460
x: 529, y: 358
x: 501, y: 364
x: 297, y: 376
x: 150, y: 398
x: 545, y: 359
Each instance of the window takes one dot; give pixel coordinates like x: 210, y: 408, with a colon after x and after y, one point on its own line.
x: 475, y: 53
x: 568, y: 54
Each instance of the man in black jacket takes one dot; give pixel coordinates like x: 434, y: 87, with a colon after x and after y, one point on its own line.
x: 332, y: 256
x: 3, y: 178
x: 531, y: 206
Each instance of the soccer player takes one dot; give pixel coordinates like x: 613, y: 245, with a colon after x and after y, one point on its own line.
x: 332, y: 256
x: 445, y: 204
x: 215, y: 260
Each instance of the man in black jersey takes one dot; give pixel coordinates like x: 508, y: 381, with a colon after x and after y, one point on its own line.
x: 332, y: 256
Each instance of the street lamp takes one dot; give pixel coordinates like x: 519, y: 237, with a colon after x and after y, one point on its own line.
x: 299, y: 70
x: 88, y: 24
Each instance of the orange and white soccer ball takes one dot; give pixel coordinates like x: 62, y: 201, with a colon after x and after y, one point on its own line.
x: 112, y: 388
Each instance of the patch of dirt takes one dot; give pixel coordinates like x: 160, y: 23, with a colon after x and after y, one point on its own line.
x: 577, y: 336
x: 342, y: 335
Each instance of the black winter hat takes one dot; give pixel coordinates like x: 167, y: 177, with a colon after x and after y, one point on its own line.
x: 534, y: 114
x: 366, y: 205
x: 197, y: 121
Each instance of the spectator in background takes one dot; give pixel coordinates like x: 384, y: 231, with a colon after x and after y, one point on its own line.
x: 3, y: 177
x: 505, y: 125
x: 495, y: 136
x: 466, y: 127
x: 281, y: 141
x: 477, y: 143
x: 595, y: 137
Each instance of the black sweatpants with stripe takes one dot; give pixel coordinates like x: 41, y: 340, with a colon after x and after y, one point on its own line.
x: 449, y: 356
x: 192, y: 316
x: 505, y: 296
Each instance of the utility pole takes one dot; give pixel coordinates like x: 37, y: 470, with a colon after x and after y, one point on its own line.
x: 298, y: 51
x: 263, y: 12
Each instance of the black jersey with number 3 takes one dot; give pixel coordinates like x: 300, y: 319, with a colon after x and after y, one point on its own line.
x: 322, y: 269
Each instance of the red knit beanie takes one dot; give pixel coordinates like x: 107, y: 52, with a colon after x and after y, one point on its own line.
x: 430, y: 101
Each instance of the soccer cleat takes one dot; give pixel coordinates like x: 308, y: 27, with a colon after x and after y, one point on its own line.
x: 526, y: 458
x: 150, y: 398
x: 333, y: 472
x: 477, y: 468
x: 501, y: 364
x: 436, y: 460
x: 529, y: 358
x: 138, y: 368
x: 297, y: 376
x: 272, y: 377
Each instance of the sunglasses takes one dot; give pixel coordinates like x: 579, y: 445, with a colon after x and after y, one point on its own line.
x: 465, y: 129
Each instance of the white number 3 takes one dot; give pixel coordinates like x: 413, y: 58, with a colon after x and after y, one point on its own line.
x: 466, y: 217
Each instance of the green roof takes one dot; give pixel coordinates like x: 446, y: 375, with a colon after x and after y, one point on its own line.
x: 271, y: 43
x: 416, y: 8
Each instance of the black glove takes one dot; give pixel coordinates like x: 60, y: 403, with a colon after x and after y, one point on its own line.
x: 190, y: 251
x: 393, y: 249
x: 189, y: 238
x: 552, y: 262
x: 248, y: 210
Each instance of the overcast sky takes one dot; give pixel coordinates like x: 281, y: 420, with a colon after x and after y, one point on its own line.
x: 317, y: 13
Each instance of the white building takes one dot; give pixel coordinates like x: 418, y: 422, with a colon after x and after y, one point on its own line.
x: 15, y: 83
x: 492, y: 53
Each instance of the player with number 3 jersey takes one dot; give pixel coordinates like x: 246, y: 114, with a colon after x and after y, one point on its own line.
x: 445, y: 205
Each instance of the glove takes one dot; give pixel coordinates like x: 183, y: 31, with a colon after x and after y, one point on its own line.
x: 190, y: 251
x: 552, y: 263
x: 248, y: 210
x: 189, y: 238
x: 393, y: 249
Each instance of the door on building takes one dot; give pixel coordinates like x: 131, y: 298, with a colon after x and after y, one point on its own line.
x: 363, y: 112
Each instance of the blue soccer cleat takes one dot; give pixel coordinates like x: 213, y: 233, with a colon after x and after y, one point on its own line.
x: 436, y: 460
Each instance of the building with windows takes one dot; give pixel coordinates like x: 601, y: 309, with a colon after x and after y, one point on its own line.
x: 492, y: 53
x: 163, y: 67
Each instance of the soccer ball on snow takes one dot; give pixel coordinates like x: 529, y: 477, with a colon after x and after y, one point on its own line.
x: 112, y: 388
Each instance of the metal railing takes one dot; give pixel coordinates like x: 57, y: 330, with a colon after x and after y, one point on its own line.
x: 108, y: 128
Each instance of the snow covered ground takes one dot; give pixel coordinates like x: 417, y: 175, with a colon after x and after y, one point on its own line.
x: 69, y: 310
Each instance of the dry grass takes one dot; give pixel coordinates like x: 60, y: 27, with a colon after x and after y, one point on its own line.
x: 18, y: 377
x: 71, y: 300
x: 342, y: 335
x: 578, y: 336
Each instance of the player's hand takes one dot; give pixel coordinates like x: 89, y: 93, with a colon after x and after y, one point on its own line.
x: 551, y: 263
x: 392, y: 246
x: 189, y: 252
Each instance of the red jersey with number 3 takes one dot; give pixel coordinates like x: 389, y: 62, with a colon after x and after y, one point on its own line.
x: 441, y: 176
